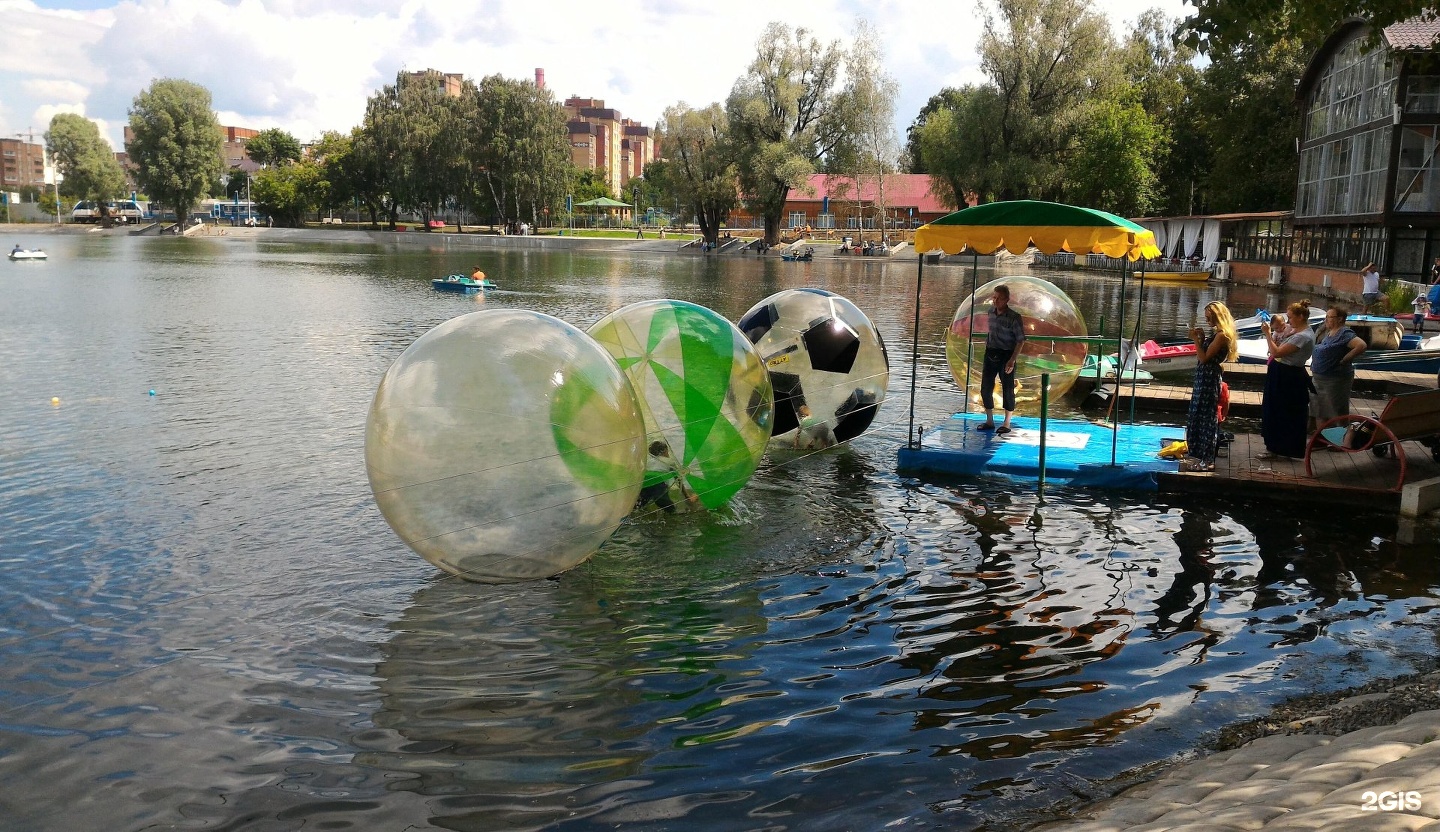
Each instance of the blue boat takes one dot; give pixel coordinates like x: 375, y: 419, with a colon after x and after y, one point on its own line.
x: 461, y: 283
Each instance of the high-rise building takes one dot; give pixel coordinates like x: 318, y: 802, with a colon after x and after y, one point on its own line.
x: 601, y: 140
x: 22, y: 165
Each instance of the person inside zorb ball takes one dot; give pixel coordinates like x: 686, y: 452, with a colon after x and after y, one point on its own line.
x: 505, y: 445
x: 1046, y: 311
x: 827, y: 363
x: 704, y: 394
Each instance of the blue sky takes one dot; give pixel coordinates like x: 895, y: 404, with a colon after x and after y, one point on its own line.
x: 308, y: 65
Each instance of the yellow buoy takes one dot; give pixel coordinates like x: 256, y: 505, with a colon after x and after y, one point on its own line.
x: 55, y: 400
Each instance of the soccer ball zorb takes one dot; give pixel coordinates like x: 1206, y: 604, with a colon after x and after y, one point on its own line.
x: 1046, y: 310
x: 504, y: 445
x: 826, y: 361
x: 704, y: 395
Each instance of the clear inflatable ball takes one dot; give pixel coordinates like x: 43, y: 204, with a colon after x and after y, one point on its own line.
x: 1047, y: 311
x: 505, y: 445
x: 705, y: 397
x: 827, y: 364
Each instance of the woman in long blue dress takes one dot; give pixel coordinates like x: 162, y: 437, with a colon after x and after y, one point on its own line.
x: 1286, y: 404
x: 1202, y: 429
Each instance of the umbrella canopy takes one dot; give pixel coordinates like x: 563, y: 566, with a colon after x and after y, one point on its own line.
x: 1049, y: 226
x: 602, y: 202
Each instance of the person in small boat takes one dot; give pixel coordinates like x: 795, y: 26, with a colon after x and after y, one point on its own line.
x: 16, y: 250
x: 1285, y: 405
x: 1004, y: 337
x: 1336, y: 348
x: 1202, y: 428
x: 477, y: 275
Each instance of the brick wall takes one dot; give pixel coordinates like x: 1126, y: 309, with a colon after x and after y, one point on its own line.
x: 1344, y: 284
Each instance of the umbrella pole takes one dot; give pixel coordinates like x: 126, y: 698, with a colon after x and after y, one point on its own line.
x: 970, y: 336
x: 1119, y: 364
x: 1135, y: 342
x: 915, y: 346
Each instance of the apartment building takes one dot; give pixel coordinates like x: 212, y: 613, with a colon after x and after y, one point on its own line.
x: 601, y: 139
x: 449, y: 83
x: 22, y: 164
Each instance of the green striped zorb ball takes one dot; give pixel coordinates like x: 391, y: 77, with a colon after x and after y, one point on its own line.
x: 505, y: 445
x: 704, y: 394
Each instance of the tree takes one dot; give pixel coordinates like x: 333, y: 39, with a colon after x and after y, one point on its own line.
x: 236, y: 182
x: 1045, y: 59
x: 518, y: 153
x: 588, y: 184
x: 699, y: 171
x: 1221, y: 25
x: 335, y: 154
x: 870, y: 151
x: 288, y: 193
x: 272, y: 147
x: 1249, y: 119
x: 1163, y: 78
x: 418, y: 136
x: 948, y: 98
x: 1111, y: 168
x: 85, y: 160
x: 787, y: 114
x: 176, y: 144
x: 962, y: 145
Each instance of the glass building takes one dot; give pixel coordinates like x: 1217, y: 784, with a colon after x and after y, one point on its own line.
x: 1369, y: 178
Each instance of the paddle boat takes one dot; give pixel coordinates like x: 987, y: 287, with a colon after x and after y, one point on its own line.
x: 461, y: 283
x: 805, y: 256
x: 1390, y: 349
x: 27, y: 254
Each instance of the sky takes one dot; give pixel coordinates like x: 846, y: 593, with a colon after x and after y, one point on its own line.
x: 307, y: 66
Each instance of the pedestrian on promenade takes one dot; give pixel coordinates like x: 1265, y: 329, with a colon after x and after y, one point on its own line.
x: 1004, y: 337
x: 1285, y: 405
x: 1369, y: 286
x: 1332, y: 364
x: 1421, y: 305
x: 1202, y: 428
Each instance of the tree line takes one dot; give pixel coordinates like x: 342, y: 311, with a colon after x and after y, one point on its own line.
x: 1067, y: 112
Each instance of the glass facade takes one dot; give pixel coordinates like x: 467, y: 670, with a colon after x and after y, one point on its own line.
x: 1345, y: 175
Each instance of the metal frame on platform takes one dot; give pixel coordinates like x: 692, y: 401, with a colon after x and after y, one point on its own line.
x: 914, y: 441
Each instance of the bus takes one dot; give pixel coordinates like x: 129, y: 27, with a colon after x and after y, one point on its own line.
x: 230, y: 211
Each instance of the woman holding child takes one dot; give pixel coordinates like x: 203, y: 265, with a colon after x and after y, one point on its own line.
x: 1285, y: 406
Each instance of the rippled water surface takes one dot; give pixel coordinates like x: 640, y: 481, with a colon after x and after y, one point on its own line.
x: 206, y: 623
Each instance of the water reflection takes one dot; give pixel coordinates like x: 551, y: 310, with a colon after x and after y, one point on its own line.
x: 199, y: 581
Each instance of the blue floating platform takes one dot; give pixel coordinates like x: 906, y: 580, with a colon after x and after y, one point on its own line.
x: 1076, y: 452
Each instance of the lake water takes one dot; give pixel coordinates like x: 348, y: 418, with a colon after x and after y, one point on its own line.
x: 206, y: 623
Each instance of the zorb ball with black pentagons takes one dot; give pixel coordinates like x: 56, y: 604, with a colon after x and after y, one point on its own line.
x: 705, y: 397
x: 827, y: 364
x: 1047, y: 311
x: 505, y: 445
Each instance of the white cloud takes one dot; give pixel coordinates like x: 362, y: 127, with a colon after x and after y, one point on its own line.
x: 309, y: 65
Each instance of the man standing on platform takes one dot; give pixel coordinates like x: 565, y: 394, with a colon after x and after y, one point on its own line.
x: 1003, y: 341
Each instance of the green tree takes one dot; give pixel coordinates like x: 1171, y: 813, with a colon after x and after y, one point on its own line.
x: 334, y: 153
x: 699, y: 171
x: 273, y: 147
x: 85, y: 160
x: 1218, y: 26
x: 176, y: 143
x: 1111, y: 168
x: 1250, y: 122
x: 870, y: 151
x: 235, y: 183
x: 1045, y: 58
x: 948, y: 98
x: 1164, y: 79
x: 962, y: 145
x: 786, y: 115
x: 518, y: 154
x: 288, y: 193
x: 418, y: 137
x: 588, y: 184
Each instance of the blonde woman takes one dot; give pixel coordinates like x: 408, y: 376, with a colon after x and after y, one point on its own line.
x: 1202, y: 429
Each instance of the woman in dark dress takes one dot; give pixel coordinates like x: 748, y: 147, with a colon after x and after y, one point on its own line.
x: 1202, y: 429
x: 1286, y: 403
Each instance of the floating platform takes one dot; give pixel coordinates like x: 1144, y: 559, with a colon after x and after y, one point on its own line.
x: 1076, y: 452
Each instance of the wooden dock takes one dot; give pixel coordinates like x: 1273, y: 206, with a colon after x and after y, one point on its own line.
x: 1358, y: 478
x: 1338, y: 477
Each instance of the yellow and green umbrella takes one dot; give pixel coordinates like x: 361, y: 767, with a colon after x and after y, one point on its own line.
x: 1051, y: 227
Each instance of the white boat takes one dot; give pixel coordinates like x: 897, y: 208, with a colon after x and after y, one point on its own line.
x: 1390, y: 348
x: 27, y: 254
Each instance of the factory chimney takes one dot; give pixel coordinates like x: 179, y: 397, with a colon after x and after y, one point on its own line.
x: 540, y: 77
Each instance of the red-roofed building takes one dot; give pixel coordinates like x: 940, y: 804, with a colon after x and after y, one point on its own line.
x: 838, y: 203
